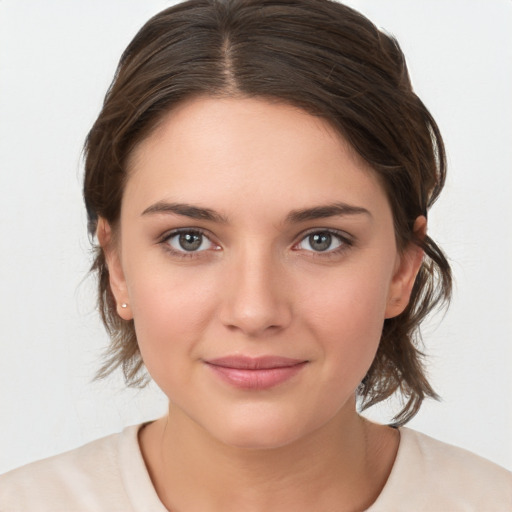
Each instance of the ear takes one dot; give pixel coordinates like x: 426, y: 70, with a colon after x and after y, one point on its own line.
x: 406, y: 270
x: 117, y: 279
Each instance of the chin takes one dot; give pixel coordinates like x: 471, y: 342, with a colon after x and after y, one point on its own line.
x: 251, y: 439
x: 261, y: 431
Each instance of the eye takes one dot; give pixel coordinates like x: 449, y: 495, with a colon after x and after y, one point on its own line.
x: 322, y: 241
x: 189, y: 241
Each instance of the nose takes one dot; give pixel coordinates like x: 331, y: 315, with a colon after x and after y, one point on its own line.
x: 255, y: 296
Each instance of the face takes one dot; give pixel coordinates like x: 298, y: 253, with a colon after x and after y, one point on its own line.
x: 257, y: 256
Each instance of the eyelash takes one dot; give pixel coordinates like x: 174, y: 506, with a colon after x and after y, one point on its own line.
x: 164, y: 241
x: 345, y: 240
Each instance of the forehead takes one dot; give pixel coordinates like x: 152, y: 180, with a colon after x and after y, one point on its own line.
x: 218, y: 150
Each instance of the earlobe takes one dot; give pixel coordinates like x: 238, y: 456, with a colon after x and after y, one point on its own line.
x: 117, y: 279
x: 408, y: 266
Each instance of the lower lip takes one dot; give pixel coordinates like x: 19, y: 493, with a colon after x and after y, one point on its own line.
x: 256, y: 379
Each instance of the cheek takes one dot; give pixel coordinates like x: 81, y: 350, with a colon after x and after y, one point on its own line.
x: 171, y: 310
x: 347, y: 316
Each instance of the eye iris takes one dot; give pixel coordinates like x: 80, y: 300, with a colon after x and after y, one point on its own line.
x: 320, y: 241
x: 190, y: 241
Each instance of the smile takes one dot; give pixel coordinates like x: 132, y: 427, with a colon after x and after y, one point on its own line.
x: 255, y: 373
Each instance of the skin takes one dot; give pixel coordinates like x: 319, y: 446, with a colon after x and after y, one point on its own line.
x: 258, y: 286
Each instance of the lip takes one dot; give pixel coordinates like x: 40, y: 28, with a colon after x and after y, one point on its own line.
x: 255, y: 373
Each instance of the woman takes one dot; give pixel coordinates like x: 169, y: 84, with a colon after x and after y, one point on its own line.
x: 259, y: 181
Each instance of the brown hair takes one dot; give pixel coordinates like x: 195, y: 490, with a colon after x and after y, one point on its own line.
x: 318, y: 55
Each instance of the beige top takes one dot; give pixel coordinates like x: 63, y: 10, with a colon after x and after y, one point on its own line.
x: 109, y: 475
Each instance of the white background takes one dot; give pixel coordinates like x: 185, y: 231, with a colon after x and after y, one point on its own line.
x: 56, y: 61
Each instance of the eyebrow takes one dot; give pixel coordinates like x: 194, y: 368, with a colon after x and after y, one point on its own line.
x: 186, y: 210
x: 301, y: 215
x: 323, y: 212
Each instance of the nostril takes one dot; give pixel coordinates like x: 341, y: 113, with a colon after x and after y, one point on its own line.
x: 254, y: 322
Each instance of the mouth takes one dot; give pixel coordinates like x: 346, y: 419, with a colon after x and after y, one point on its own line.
x: 255, y: 373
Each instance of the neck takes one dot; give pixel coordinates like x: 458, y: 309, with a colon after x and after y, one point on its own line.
x: 341, y: 466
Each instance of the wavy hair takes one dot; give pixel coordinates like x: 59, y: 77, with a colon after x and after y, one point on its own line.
x: 330, y: 61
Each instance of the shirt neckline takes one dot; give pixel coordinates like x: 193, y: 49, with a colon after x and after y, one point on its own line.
x: 134, y: 474
x: 144, y: 498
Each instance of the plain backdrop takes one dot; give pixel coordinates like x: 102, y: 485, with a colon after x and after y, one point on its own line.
x: 57, y: 59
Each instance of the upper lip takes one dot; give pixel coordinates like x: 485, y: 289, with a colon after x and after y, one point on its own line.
x: 254, y: 363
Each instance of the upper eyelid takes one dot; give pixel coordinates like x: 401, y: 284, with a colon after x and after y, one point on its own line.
x: 172, y: 232
x: 164, y: 239
x: 333, y: 231
x: 168, y: 235
x: 343, y: 235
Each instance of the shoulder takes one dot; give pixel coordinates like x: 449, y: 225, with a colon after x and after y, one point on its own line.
x: 429, y: 475
x: 75, y: 480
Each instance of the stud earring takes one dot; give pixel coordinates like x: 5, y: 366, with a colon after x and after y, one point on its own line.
x: 124, y: 305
